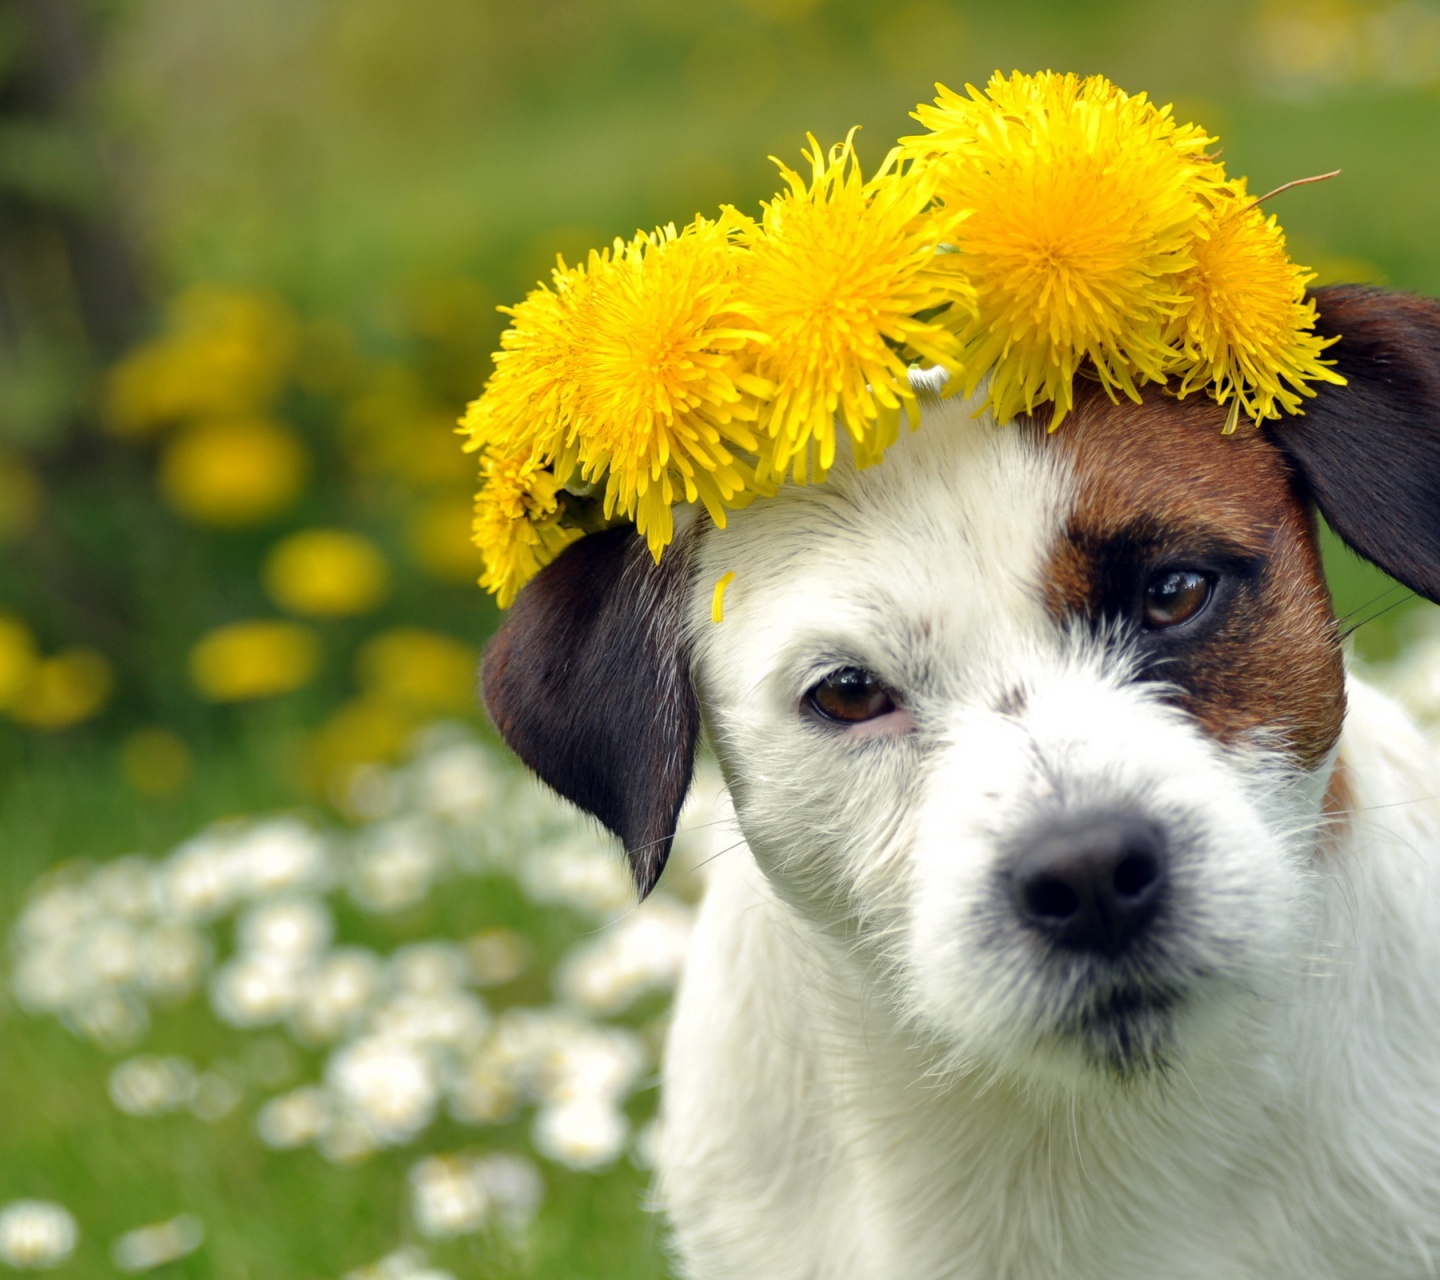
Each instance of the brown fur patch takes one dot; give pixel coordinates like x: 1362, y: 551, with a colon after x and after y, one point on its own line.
x: 1159, y: 486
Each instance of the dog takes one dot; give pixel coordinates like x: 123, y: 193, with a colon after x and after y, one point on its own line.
x: 1084, y: 918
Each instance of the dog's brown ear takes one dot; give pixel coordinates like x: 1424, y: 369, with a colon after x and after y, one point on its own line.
x: 1369, y: 452
x: 588, y: 681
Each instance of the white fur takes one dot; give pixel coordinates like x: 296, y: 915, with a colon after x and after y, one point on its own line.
x: 868, y: 1075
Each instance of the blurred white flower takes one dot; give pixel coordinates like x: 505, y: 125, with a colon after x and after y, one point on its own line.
x: 36, y: 1234
x: 110, y: 954
x: 1415, y: 677
x: 388, y: 1084
x: 456, y: 1195
x: 372, y: 793
x: 215, y: 1096
x: 515, y: 1187
x: 497, y: 956
x: 199, y: 879
x: 152, y: 1086
x: 281, y: 855
x: 125, y: 887
x: 294, y: 1119
x: 445, y: 1019
x: 174, y: 958
x: 234, y: 862
x: 584, y: 1134
x: 403, y: 1264
x: 522, y: 1039
x: 114, y: 1020
x: 148, y: 1247
x: 578, y: 873
x: 641, y: 953
x: 96, y: 946
x: 395, y: 865
x: 426, y: 968
x: 291, y: 928
x: 336, y: 995
x: 57, y: 913
x: 482, y: 1090
x: 525, y: 817
x: 460, y: 782
x: 47, y: 979
x: 254, y: 990
x: 597, y: 1064
x: 447, y: 1197
x: 346, y: 1139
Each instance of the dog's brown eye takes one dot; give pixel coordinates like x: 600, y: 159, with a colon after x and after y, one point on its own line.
x: 851, y: 695
x: 1173, y: 596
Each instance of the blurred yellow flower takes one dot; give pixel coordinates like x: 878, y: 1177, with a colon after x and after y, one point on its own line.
x: 63, y: 690
x: 439, y: 538
x: 20, y: 495
x: 156, y: 762
x: 18, y: 657
x: 394, y: 426
x: 226, y: 352
x: 422, y: 671
x: 259, y: 659
x: 233, y: 473
x: 327, y: 573
x: 361, y: 732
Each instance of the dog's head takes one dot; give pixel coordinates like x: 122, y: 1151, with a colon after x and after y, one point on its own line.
x: 1038, y: 728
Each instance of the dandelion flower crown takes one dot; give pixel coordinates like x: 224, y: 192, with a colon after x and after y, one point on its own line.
x: 1048, y: 224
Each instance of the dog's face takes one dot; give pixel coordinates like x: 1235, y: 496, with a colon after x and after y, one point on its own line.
x: 1037, y: 730
x: 1036, y: 727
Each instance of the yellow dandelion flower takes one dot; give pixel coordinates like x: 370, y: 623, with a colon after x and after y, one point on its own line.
x: 835, y: 277
x: 233, y: 473
x: 526, y: 401
x: 417, y: 670
x: 665, y: 401
x: 258, y: 659
x: 361, y: 732
x: 64, y: 689
x: 438, y: 538
x: 1083, y: 204
x: 156, y: 762
x: 225, y: 352
x: 517, y: 523
x: 327, y: 573
x: 18, y: 656
x: 1248, y: 334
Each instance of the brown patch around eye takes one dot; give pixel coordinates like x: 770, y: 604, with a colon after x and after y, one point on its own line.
x: 1160, y: 491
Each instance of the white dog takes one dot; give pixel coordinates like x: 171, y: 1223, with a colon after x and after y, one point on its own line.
x: 1079, y: 930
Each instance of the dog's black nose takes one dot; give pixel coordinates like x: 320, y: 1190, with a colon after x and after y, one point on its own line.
x: 1092, y: 884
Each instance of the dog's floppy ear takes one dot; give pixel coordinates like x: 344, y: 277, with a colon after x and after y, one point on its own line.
x: 1369, y: 452
x: 588, y: 681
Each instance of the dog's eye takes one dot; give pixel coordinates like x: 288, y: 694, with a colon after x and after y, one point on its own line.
x: 1173, y: 596
x: 850, y: 695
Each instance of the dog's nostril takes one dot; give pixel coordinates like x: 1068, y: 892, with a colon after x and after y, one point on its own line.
x: 1136, y: 874
x: 1091, y: 884
x: 1051, y: 899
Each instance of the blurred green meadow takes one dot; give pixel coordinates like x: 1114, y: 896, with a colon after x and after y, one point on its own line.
x: 303, y: 979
